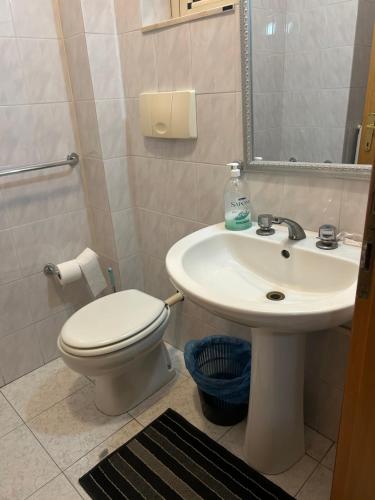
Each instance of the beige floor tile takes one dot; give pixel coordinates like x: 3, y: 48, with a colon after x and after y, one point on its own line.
x: 292, y: 480
x: 316, y: 444
x: 159, y: 395
x: 9, y: 419
x: 59, y: 489
x: 89, y: 461
x: 318, y: 487
x: 74, y: 426
x: 330, y: 458
x: 184, y: 399
x: 177, y: 358
x: 233, y: 440
x: 24, y: 465
x: 42, y: 388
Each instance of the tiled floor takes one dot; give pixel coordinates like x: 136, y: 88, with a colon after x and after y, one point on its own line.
x: 51, y: 434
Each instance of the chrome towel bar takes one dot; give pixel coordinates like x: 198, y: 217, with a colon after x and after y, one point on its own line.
x: 72, y: 159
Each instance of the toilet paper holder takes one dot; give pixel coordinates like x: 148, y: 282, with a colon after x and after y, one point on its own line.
x: 51, y: 270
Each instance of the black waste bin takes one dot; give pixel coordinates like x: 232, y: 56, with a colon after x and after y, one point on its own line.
x: 220, y: 365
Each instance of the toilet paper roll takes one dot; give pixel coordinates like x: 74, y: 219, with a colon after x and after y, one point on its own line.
x: 68, y: 272
x: 88, y: 262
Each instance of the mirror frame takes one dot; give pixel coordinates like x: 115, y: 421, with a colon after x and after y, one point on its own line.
x: 338, y: 170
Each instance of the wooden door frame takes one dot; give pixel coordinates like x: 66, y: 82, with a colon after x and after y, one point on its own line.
x: 366, y: 157
x: 355, y: 457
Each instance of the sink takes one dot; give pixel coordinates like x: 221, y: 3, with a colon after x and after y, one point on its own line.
x: 283, y: 290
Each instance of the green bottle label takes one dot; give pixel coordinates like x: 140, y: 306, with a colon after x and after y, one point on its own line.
x: 237, y: 216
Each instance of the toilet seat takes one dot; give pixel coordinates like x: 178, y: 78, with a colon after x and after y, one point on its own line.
x: 112, y: 323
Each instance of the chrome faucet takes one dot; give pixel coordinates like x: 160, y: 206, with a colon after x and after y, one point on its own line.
x: 296, y: 232
x: 265, y: 222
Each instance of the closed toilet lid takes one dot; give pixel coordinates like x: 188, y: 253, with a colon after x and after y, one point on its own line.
x: 111, y: 319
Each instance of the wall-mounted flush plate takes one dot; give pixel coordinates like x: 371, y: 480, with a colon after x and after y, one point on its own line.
x: 168, y: 115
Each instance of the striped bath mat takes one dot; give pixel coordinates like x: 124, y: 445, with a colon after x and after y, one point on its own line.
x: 172, y: 459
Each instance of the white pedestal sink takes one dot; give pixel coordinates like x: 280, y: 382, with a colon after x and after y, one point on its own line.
x: 230, y: 274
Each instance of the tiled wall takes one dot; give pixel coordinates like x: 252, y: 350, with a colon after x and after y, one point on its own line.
x: 91, y: 40
x: 317, y: 55
x: 42, y: 215
x: 269, y: 40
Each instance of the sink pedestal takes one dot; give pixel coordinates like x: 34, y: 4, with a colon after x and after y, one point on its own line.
x: 275, y: 426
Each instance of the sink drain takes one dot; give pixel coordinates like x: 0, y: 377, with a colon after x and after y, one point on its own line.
x: 275, y: 296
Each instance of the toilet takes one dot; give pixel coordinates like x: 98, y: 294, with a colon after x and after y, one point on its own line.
x: 117, y: 340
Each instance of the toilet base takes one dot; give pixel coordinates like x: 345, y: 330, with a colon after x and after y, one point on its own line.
x: 119, y: 393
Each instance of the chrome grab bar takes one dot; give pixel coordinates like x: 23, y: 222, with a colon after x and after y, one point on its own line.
x: 72, y: 159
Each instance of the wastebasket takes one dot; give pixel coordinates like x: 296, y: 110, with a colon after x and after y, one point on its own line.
x: 220, y: 366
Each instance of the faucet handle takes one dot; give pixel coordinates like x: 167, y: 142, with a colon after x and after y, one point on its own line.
x: 327, y: 237
x: 265, y: 225
x: 328, y: 232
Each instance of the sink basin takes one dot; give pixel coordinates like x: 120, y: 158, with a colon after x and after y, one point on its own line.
x: 282, y: 289
x: 231, y: 273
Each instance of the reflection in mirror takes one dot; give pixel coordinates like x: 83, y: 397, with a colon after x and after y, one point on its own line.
x: 159, y: 13
x: 310, y: 79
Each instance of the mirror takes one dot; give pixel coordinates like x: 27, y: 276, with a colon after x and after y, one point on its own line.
x: 160, y: 13
x: 308, y: 80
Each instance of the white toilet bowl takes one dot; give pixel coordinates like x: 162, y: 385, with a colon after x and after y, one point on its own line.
x: 118, y: 341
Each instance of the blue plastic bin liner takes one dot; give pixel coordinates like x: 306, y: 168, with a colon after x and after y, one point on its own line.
x: 220, y: 366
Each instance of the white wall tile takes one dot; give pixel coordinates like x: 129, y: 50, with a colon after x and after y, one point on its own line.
x: 13, y: 299
x: 22, y: 346
x: 215, y: 41
x: 128, y: 15
x: 181, y: 177
x: 211, y: 201
x: 46, y: 297
x: 45, y: 80
x: 9, y: 268
x: 217, y: 128
x: 354, y: 206
x: 102, y: 233
x: 131, y: 272
x: 154, y: 11
x: 36, y: 19
x: 79, y: 68
x: 47, y: 332
x: 71, y: 17
x: 39, y: 195
x: 150, y: 186
x: 156, y: 281
x: 105, y: 66
x: 56, y: 239
x: 138, y: 62
x: 6, y: 22
x: 12, y: 88
x: 324, y: 201
x: 98, y: 16
x: 111, y: 122
x: 124, y: 226
x: 17, y: 136
x: 341, y: 23
x: 37, y: 127
x: 96, y: 186
x: 118, y: 183
x: 54, y: 133
x: 173, y: 54
x: 153, y: 228
x: 89, y: 129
